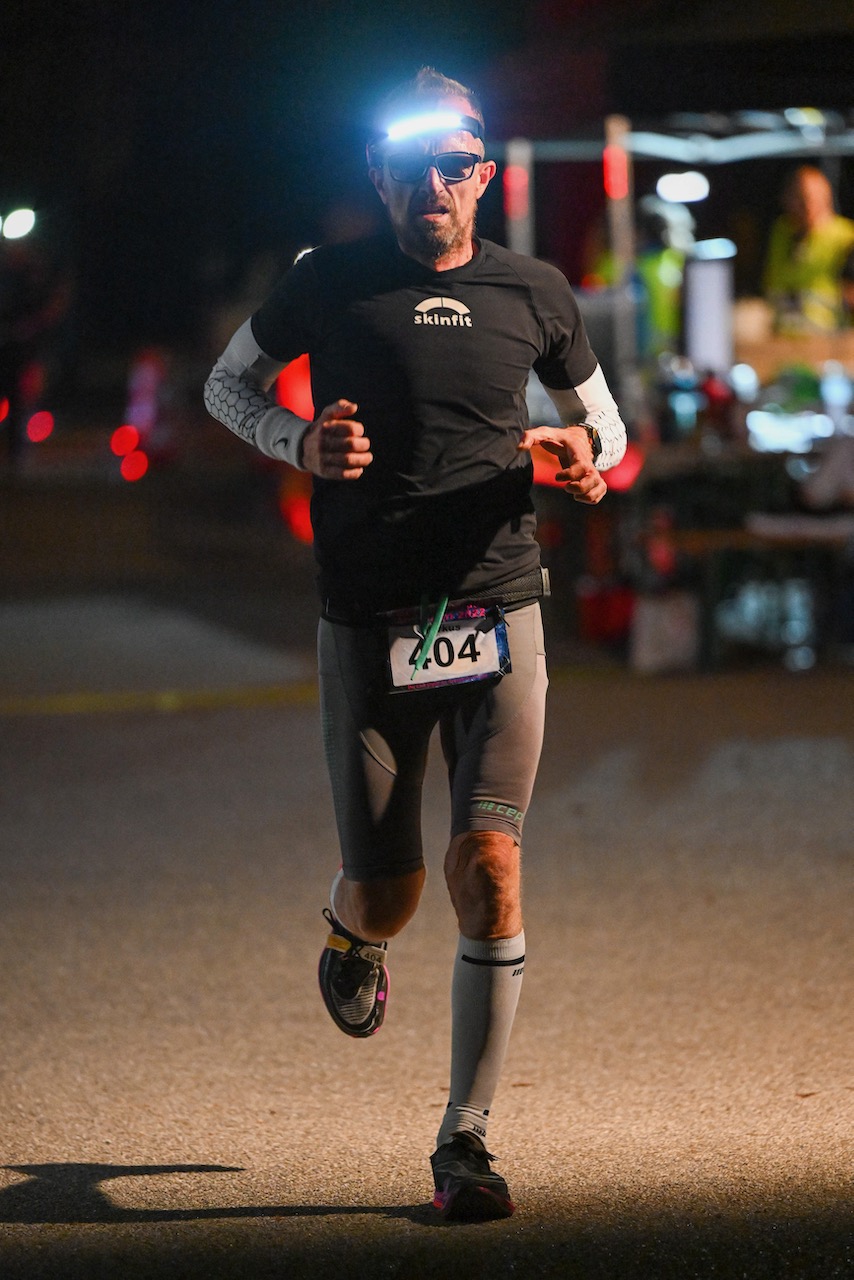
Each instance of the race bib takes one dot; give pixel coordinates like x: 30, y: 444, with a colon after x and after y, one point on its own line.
x: 470, y: 644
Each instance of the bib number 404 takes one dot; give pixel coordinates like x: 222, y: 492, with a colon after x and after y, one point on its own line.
x: 444, y: 653
x: 465, y: 648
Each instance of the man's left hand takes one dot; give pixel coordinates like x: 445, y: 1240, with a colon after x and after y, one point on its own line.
x: 571, y: 447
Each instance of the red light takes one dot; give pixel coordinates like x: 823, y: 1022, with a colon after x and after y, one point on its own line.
x: 615, y: 163
x: 4, y: 408
x: 605, y: 610
x: 627, y: 470
x: 40, y: 426
x: 124, y: 440
x: 619, y: 478
x: 545, y: 467
x: 134, y: 465
x: 296, y: 513
x: 293, y: 388
x: 516, y: 203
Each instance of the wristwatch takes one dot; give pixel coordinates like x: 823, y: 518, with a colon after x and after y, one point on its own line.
x: 593, y: 437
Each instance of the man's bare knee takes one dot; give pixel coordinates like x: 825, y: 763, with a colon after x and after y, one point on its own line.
x: 483, y: 873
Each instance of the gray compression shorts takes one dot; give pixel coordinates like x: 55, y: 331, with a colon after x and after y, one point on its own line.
x: 376, y: 744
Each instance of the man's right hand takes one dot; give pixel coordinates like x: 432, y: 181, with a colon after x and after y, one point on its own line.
x: 335, y: 445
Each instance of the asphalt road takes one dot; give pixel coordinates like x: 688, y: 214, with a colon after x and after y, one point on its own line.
x: 679, y: 1095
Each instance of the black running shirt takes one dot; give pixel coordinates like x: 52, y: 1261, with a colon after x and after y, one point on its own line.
x: 438, y: 363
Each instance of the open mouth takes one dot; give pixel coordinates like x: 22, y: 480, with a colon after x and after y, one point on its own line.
x: 430, y: 211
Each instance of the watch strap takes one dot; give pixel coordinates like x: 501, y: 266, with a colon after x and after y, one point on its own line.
x: 595, y: 442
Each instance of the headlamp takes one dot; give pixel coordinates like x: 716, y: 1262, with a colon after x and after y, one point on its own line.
x: 432, y: 122
x: 423, y: 125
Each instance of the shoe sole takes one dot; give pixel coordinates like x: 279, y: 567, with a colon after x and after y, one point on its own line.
x: 472, y: 1203
x: 370, y: 1025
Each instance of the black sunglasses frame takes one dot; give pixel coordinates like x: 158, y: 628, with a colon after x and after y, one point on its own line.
x: 427, y: 162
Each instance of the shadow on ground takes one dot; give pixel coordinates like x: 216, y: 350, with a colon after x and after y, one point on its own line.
x: 67, y: 1226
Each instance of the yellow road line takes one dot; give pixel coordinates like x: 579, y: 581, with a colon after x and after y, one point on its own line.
x: 162, y: 700
x: 302, y: 693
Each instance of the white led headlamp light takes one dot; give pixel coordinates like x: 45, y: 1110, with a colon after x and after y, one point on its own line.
x: 424, y: 125
x: 432, y: 122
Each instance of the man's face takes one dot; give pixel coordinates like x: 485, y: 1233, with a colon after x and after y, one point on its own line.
x: 809, y: 200
x: 431, y: 216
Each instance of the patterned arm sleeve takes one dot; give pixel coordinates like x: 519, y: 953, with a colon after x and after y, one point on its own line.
x: 600, y: 411
x: 237, y: 394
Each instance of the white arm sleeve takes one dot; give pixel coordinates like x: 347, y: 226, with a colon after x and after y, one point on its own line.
x: 600, y: 411
x: 237, y: 395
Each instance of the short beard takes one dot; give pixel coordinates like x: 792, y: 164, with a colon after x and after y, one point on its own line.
x: 427, y: 240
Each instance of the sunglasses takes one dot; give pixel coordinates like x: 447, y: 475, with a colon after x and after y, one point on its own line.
x: 452, y: 166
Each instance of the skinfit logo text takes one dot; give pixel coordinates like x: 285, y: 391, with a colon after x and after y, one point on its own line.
x: 442, y: 311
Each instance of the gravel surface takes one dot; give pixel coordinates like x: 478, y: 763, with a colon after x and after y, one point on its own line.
x: 679, y: 1094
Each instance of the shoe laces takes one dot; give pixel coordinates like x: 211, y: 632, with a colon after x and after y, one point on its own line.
x: 352, y: 975
x: 473, y: 1146
x: 354, y: 969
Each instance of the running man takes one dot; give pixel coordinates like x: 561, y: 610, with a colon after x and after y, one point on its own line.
x: 421, y: 340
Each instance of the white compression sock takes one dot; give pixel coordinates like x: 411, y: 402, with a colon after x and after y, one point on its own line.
x: 484, y: 994
x: 338, y: 877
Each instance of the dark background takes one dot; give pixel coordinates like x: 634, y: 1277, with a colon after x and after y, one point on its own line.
x: 179, y: 154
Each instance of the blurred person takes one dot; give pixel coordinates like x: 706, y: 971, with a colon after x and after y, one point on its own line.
x: 808, y: 246
x: 421, y: 339
x: 664, y: 235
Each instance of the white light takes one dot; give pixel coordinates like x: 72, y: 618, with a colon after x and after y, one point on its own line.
x: 18, y: 223
x: 744, y: 381
x: 303, y: 253
x: 682, y: 188
x: 432, y: 122
x: 801, y: 658
x: 711, y: 250
x: 812, y: 123
x: 805, y: 117
x: 836, y: 389
x: 786, y: 432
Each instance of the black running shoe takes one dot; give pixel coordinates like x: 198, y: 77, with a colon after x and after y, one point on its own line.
x: 466, y: 1188
x: 353, y: 980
